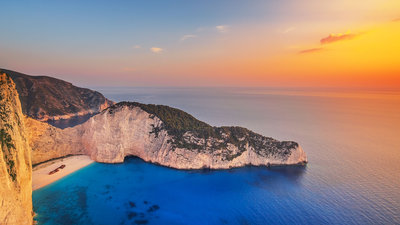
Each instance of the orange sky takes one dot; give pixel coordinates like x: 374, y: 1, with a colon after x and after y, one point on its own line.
x: 362, y: 57
x: 307, y: 43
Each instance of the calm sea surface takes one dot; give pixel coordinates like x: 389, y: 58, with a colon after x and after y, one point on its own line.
x: 352, y: 140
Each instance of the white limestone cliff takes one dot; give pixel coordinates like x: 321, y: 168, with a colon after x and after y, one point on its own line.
x: 129, y: 131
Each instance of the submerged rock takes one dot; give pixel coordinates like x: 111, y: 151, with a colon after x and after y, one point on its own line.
x: 153, y: 208
x: 131, y: 215
x: 141, y: 222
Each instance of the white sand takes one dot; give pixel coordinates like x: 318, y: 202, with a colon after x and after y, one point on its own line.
x: 40, y: 174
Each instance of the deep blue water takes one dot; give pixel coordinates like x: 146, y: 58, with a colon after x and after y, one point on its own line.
x: 353, y: 176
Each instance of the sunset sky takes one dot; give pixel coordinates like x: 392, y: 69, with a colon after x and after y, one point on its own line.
x: 287, y: 43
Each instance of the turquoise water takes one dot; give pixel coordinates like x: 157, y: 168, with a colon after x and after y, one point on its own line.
x: 353, y: 176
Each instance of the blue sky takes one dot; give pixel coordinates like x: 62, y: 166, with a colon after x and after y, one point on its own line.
x: 70, y: 23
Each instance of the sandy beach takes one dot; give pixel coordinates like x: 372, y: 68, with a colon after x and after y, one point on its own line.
x: 40, y: 173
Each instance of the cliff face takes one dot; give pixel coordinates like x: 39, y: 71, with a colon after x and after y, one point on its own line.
x: 132, y: 129
x: 166, y: 136
x: 48, y: 142
x: 46, y: 98
x: 15, y: 159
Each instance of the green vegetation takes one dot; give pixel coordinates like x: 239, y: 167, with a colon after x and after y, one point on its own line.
x: 7, y: 144
x: 6, y: 140
x: 10, y: 168
x: 177, y: 122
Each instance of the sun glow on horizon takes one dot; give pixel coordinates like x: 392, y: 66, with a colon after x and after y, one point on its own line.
x: 305, y: 43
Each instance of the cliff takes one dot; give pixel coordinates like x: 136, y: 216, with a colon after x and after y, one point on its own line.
x: 15, y: 159
x: 48, y: 142
x: 162, y: 135
x: 46, y: 98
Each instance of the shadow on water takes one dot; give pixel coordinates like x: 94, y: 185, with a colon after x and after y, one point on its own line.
x: 71, y: 122
x: 276, y: 179
x: 292, y: 173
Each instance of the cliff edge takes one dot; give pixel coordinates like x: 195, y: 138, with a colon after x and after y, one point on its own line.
x: 15, y: 159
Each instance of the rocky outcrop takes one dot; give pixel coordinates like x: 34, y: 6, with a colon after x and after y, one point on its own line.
x: 162, y: 135
x: 15, y: 159
x: 48, y: 142
x: 46, y: 98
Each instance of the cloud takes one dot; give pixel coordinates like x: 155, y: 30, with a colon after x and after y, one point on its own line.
x: 330, y: 39
x: 136, y: 46
x: 187, y: 36
x: 311, y: 50
x: 338, y: 37
x: 396, y: 20
x: 156, y: 49
x: 289, y: 29
x: 222, y: 28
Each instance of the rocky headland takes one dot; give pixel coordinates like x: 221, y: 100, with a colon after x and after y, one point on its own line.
x: 162, y: 135
x: 46, y: 98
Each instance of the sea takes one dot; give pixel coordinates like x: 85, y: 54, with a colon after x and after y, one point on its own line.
x: 351, y: 137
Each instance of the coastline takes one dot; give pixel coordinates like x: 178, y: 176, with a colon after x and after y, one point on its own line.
x: 40, y: 173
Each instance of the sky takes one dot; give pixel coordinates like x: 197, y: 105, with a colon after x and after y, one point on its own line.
x: 268, y: 43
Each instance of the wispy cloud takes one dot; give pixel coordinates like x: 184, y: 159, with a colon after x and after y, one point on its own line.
x: 396, y: 19
x: 136, y: 46
x: 338, y: 37
x: 330, y: 39
x: 311, y: 50
x: 187, y: 36
x: 222, y: 28
x: 287, y: 30
x: 156, y: 49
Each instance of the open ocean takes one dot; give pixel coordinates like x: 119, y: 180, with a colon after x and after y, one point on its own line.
x: 352, y: 140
